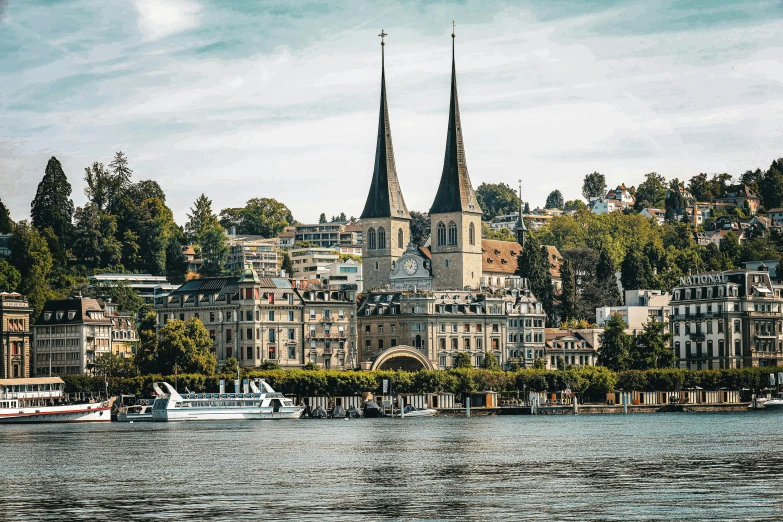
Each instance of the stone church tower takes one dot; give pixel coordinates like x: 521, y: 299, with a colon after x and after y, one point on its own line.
x: 386, y: 222
x: 455, y: 215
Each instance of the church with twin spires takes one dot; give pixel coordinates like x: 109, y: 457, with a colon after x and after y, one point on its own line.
x: 452, y: 258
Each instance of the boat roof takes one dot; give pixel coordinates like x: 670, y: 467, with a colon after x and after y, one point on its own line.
x: 32, y: 380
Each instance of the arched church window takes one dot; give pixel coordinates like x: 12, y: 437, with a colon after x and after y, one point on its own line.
x: 371, y: 239
x: 381, y: 238
x: 452, y: 233
x: 399, y: 238
x: 472, y: 234
x: 441, y: 234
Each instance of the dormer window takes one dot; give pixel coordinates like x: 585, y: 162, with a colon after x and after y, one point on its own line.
x: 71, y: 315
x: 59, y: 315
x: 47, y: 316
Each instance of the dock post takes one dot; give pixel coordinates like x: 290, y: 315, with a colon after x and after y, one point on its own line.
x: 576, y: 406
x: 625, y: 404
x: 467, y: 406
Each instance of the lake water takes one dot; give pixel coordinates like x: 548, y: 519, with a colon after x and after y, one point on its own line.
x: 587, y: 467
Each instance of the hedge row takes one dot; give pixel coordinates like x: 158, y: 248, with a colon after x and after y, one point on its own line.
x: 591, y: 382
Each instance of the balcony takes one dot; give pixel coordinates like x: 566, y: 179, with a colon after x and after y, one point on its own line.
x: 327, y: 320
x: 697, y: 336
x: 325, y: 335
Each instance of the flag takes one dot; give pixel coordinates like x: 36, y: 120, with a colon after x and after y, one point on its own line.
x: 772, y: 379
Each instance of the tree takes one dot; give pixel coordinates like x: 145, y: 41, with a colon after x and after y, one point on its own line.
x: 187, y: 345
x: 568, y: 295
x: 230, y: 367
x: 497, y: 199
x: 94, y: 237
x: 462, y: 360
x: 651, y: 350
x: 651, y: 192
x: 606, y: 292
x: 200, y: 219
x: 322, y: 218
x: 615, y: 344
x: 112, y: 365
x: 287, y: 265
x: 594, y: 186
x: 52, y: 206
x: 731, y: 248
x: 636, y: 271
x: 675, y: 201
x: 770, y: 186
x: 9, y: 277
x: 6, y: 225
x: 176, y: 262
x: 148, y: 342
x: 420, y: 227
x: 489, y: 361
x: 502, y: 234
x: 534, y: 265
x: 231, y: 218
x: 527, y: 208
x: 121, y: 170
x: 99, y: 185
x: 265, y: 217
x: 121, y: 294
x: 154, y: 229
x: 574, y: 204
x: 30, y: 256
x: 214, y: 249
x: 554, y: 200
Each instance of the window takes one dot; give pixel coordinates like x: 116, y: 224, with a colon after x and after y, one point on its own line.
x: 676, y: 328
x: 720, y: 326
x: 290, y: 316
x: 454, y: 327
x: 380, y: 328
x: 371, y: 239
x: 312, y: 313
x: 737, y: 348
x: 381, y: 238
x: 228, y: 335
x: 466, y: 343
x: 271, y: 335
x: 249, y: 335
x: 472, y: 234
x: 271, y: 315
x: 737, y: 326
x: 400, y: 238
x: 292, y: 352
x: 291, y: 334
x: 467, y: 328
x: 443, y: 344
x: 393, y: 343
x: 380, y: 344
x: 249, y: 352
x: 710, y: 353
x: 721, y: 348
x: 441, y: 234
x: 452, y: 233
x: 454, y: 342
x: 248, y: 315
x: 367, y: 328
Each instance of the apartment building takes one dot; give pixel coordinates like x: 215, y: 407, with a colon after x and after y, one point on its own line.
x: 256, y: 251
x: 15, y: 336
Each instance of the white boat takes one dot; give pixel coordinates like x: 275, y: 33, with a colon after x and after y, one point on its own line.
x: 412, y: 411
x: 42, y: 399
x: 772, y: 404
x: 135, y: 413
x: 261, y: 403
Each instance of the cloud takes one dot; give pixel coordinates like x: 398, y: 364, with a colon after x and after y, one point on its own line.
x: 161, y: 18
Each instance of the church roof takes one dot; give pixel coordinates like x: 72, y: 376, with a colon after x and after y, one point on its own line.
x: 499, y: 257
x: 455, y: 192
x: 385, y: 196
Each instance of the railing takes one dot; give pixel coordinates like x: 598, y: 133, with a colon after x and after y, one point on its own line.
x: 324, y: 335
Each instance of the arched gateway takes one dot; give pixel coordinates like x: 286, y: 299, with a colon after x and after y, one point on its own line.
x: 404, y: 358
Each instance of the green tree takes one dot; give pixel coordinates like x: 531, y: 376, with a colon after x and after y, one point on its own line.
x: 121, y: 294
x: 574, y: 204
x: 200, y: 219
x: 568, y: 294
x: 636, y: 271
x: 527, y: 208
x: 497, y: 199
x: 52, y: 206
x: 122, y: 172
x: 187, y: 345
x: 230, y: 367
x: 420, y: 227
x: 148, y: 343
x: 9, y: 277
x: 462, y: 360
x: 112, y: 365
x: 231, y: 218
x: 534, y: 265
x: 94, y: 237
x: 615, y: 344
x: 154, y: 229
x: 594, y: 186
x: 6, y: 225
x: 651, y: 349
x: 214, y: 249
x: 554, y: 200
x: 30, y: 256
x: 176, y: 263
x: 731, y: 248
x: 265, y: 217
x: 651, y: 192
x: 489, y: 361
x: 287, y: 265
x: 322, y: 218
x: 502, y: 234
x: 770, y: 186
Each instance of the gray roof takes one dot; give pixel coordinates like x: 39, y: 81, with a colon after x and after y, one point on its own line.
x: 385, y: 196
x: 455, y: 192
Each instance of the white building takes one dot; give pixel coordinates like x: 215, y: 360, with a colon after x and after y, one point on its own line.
x: 311, y: 263
x: 604, y: 205
x: 338, y: 275
x: 259, y: 252
x: 641, y: 307
x: 146, y: 285
x: 69, y: 335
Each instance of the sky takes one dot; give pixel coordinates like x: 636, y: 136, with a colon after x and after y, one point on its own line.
x: 280, y: 99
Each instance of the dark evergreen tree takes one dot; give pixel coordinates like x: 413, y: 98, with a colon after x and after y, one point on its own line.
x: 555, y: 200
x: 420, y: 227
x: 288, y: 265
x: 6, y: 225
x: 594, y: 186
x: 636, y: 271
x: 30, y: 256
x: 52, y: 206
x: 615, y: 344
x: 568, y: 295
x: 322, y: 218
x: 652, y: 348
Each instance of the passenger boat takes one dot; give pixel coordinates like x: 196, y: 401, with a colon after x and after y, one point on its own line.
x: 262, y: 403
x: 42, y: 399
x: 412, y: 411
x: 139, y: 412
x: 772, y: 404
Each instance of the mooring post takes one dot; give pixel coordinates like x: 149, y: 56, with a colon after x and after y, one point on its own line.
x: 625, y: 404
x: 576, y: 406
x: 467, y: 406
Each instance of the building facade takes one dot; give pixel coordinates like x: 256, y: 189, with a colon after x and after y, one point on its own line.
x: 441, y: 325
x: 258, y: 252
x: 146, y: 285
x: 15, y: 335
x: 69, y: 336
x: 730, y: 319
x: 256, y: 320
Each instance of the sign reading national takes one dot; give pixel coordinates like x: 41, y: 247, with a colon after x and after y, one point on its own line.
x: 702, y: 279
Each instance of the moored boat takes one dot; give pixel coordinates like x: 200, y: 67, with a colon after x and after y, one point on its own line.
x: 261, y: 403
x: 140, y: 412
x: 42, y: 399
x: 412, y: 411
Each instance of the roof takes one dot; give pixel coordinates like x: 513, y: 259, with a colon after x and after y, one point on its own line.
x: 425, y: 251
x: 554, y: 334
x: 188, y: 250
x: 555, y: 260
x: 776, y: 210
x: 499, y: 256
x: 80, y: 305
x: 455, y: 192
x: 385, y: 196
x: 32, y: 380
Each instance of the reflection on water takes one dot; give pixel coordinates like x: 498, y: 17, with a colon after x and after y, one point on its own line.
x: 635, y: 467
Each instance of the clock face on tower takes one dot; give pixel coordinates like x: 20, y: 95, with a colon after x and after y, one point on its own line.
x: 410, y: 266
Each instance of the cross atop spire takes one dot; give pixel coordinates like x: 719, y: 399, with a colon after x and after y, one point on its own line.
x: 385, y: 196
x: 455, y: 192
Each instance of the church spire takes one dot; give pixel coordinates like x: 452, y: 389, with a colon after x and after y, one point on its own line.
x: 455, y: 192
x: 385, y: 197
x: 521, y: 229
